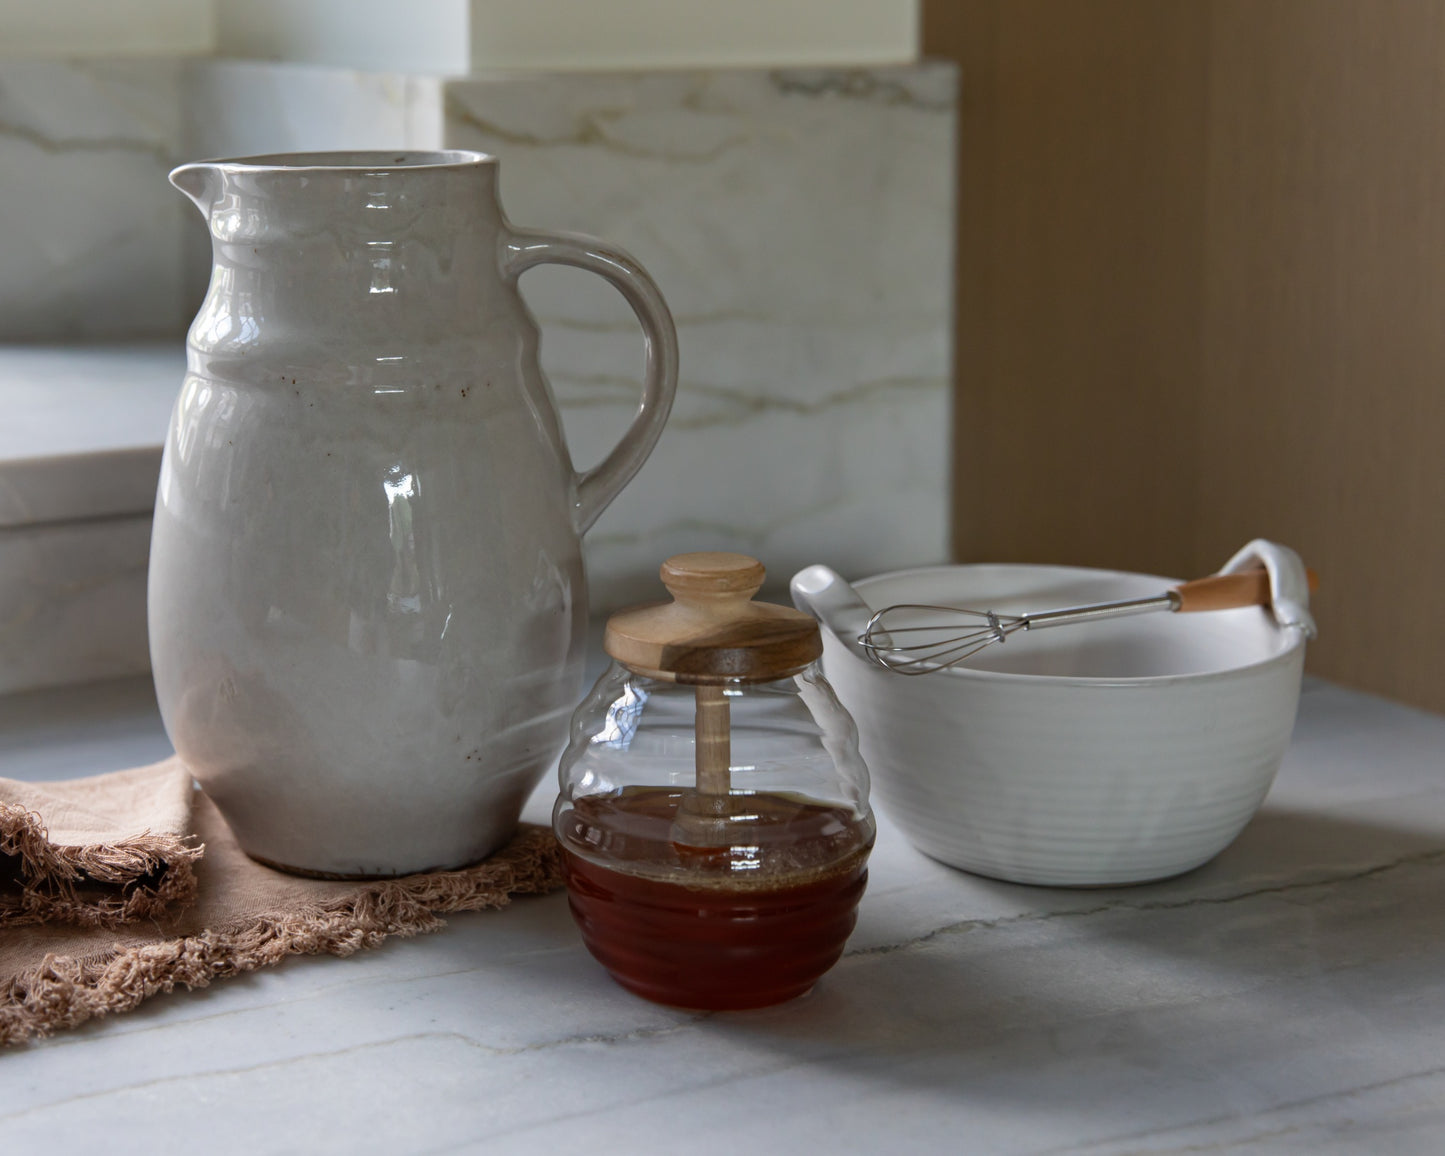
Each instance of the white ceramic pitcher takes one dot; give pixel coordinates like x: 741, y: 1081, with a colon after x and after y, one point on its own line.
x: 367, y: 600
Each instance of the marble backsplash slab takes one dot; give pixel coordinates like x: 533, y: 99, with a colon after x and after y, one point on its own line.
x: 800, y: 224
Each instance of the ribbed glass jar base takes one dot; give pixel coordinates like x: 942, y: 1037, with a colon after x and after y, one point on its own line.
x: 714, y: 948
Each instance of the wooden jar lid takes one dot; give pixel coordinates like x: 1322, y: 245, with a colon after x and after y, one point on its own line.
x: 712, y: 632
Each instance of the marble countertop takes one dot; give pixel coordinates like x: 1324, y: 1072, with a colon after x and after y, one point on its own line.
x: 1288, y: 997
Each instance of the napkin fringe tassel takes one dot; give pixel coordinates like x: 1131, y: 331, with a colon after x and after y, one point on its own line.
x: 155, y: 873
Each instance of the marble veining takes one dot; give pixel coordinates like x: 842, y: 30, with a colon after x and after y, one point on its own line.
x: 876, y: 85
x: 1318, y: 887
x: 90, y: 237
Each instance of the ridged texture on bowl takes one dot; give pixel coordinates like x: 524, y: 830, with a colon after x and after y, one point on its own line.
x: 1073, y: 781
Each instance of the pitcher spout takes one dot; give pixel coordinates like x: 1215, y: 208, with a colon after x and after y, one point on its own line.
x: 201, y: 181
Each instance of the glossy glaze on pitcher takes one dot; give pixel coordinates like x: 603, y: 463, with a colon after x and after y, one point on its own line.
x: 367, y: 594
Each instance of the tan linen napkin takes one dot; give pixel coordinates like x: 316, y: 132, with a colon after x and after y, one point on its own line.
x: 99, y: 851
x: 245, y: 916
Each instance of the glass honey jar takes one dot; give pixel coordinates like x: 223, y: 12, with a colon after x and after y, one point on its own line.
x: 714, y: 814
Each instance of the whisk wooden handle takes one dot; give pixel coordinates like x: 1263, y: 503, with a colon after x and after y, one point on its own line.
x: 1225, y: 591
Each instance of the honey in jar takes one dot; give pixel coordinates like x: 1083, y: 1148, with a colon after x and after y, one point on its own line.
x: 713, y: 815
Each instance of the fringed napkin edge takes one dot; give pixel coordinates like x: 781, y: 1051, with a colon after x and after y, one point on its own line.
x: 153, y: 873
x: 64, y: 991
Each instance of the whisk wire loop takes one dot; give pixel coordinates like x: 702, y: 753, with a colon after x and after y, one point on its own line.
x: 941, y: 646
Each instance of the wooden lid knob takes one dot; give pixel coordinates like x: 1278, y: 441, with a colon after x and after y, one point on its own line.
x: 712, y: 632
x: 709, y: 574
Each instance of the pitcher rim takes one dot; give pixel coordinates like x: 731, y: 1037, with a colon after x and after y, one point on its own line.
x: 351, y: 161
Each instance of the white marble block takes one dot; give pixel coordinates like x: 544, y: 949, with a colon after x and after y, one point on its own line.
x: 80, y: 451
x: 90, y: 235
x: 81, y: 429
x: 73, y: 606
x: 800, y: 225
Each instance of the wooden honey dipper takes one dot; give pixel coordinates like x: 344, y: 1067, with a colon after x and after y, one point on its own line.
x: 712, y: 635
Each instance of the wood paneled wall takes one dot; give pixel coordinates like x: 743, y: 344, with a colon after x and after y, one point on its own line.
x: 1201, y: 298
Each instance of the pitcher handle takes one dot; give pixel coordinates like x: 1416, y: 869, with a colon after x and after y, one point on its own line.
x: 596, y: 488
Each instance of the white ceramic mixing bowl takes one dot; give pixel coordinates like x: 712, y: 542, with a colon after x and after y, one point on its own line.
x: 1086, y: 755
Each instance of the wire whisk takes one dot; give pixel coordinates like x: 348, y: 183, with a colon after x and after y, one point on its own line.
x: 941, y: 637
